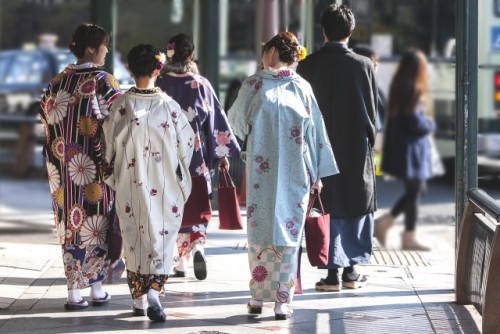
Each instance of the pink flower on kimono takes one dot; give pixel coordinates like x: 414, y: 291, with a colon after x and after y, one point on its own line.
x: 259, y: 273
x: 250, y: 210
x: 264, y: 166
x: 295, y: 132
x: 289, y: 224
x: 283, y: 73
x: 175, y: 210
x: 202, y: 169
x: 294, y: 232
x: 194, y: 84
x: 259, y: 159
x: 257, y: 86
x: 298, y: 140
x: 222, y: 138
x: 153, y: 192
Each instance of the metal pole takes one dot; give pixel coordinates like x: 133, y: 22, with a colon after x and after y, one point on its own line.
x: 103, y: 13
x: 466, y: 127
x: 208, y: 47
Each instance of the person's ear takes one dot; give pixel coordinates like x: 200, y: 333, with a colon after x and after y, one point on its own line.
x: 90, y: 50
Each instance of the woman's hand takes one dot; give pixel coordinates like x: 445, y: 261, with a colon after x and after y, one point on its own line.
x: 318, y: 185
x: 223, y: 163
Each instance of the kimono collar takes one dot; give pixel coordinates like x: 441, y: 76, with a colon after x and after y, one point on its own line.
x: 281, y: 73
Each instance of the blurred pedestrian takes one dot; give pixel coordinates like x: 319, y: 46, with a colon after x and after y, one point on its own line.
x: 407, y: 149
x: 288, y: 153
x: 73, y: 109
x: 346, y: 89
x: 149, y: 145
x: 214, y: 139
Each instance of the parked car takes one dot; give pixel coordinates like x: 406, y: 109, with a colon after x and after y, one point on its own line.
x: 24, y: 76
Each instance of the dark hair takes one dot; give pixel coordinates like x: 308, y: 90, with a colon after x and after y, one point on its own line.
x: 364, y: 50
x: 141, y: 60
x: 183, y: 47
x: 87, y: 35
x: 338, y: 22
x: 409, y: 85
x: 287, y: 46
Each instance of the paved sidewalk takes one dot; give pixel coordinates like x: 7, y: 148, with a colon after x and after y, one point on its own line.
x: 408, y: 292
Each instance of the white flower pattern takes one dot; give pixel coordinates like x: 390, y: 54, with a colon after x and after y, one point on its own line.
x: 94, y: 230
x: 59, y: 107
x: 81, y: 169
x: 54, y: 177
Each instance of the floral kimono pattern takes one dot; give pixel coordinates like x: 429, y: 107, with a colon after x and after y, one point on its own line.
x: 72, y: 111
x: 288, y: 150
x: 149, y: 145
x: 213, y: 136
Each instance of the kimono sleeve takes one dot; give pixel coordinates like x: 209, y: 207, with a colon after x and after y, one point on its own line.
x: 239, y: 113
x: 42, y: 113
x: 107, y: 91
x: 322, y: 157
x: 109, y: 133
x: 221, y: 141
x: 185, y: 138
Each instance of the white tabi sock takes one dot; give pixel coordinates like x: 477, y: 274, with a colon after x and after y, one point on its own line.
x: 97, y: 291
x: 74, y: 296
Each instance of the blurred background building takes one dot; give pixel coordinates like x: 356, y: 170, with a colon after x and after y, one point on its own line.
x: 230, y: 41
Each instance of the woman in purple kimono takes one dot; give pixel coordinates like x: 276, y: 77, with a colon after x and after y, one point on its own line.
x: 214, y: 139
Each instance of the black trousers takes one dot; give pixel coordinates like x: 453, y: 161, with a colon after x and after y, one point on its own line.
x: 408, y: 203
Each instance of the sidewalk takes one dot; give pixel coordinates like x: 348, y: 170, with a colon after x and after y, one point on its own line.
x: 407, y: 292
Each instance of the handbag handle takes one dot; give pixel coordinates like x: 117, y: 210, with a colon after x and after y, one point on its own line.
x: 312, y: 199
x: 225, y: 179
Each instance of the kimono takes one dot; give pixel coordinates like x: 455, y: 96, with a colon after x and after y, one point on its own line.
x: 214, y: 138
x: 149, y: 146
x: 287, y: 151
x: 72, y: 111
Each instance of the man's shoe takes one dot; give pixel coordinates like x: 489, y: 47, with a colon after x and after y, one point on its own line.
x: 357, y: 283
x: 323, y: 285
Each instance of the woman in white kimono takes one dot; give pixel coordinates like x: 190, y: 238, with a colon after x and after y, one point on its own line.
x: 288, y: 152
x: 149, y: 145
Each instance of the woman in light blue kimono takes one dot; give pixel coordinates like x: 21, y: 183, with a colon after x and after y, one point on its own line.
x: 288, y: 153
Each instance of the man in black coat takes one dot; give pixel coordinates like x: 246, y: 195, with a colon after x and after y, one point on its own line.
x: 345, y: 87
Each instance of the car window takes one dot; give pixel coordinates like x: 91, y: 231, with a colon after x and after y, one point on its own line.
x: 63, y: 59
x: 26, y: 68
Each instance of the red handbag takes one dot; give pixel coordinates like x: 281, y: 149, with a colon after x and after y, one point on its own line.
x: 198, y: 209
x: 229, y: 208
x: 317, y: 232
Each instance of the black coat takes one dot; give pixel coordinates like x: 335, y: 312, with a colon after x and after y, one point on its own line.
x: 345, y: 87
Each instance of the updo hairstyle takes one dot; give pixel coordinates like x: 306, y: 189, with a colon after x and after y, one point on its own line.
x: 87, y: 35
x: 287, y: 46
x: 142, y: 61
x: 183, y: 48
